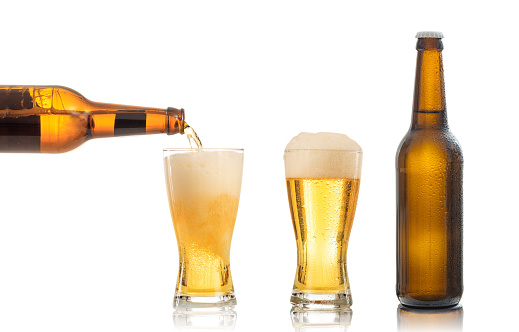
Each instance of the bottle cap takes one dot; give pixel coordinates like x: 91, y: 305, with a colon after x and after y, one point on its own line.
x: 429, y: 34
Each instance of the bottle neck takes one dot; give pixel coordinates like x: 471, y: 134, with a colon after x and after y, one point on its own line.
x: 107, y: 120
x: 429, y: 110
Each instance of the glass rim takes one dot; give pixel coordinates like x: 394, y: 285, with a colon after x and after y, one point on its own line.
x: 327, y: 150
x: 201, y: 150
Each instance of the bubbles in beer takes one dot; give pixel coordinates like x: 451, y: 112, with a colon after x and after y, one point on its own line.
x: 323, y: 155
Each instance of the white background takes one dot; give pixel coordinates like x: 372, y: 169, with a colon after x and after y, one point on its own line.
x: 86, y: 240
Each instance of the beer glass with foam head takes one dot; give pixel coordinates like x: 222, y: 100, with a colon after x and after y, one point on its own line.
x: 323, y: 175
x: 203, y: 190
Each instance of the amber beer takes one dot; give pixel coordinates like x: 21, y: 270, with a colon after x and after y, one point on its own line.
x: 204, y: 190
x: 322, y: 176
x: 429, y: 165
x: 56, y: 119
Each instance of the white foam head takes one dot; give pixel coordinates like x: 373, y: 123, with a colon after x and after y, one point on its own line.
x: 323, y: 155
x: 204, y: 172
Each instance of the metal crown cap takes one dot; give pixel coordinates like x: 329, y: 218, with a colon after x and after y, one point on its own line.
x: 429, y: 34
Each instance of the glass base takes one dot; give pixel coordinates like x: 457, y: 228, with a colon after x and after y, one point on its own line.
x: 321, y: 301
x: 204, y: 319
x: 320, y: 319
x: 217, y: 302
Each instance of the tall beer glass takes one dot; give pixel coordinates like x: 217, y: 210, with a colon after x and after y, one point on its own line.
x: 322, y: 174
x: 203, y: 190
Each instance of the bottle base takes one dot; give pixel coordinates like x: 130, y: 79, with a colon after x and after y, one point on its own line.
x: 321, y: 301
x: 217, y: 302
x: 421, y: 303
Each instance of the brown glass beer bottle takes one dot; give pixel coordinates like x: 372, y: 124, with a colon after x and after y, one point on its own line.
x: 429, y: 165
x: 56, y: 119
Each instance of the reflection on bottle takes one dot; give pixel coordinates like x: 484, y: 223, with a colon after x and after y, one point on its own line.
x: 318, y: 320
x: 207, y: 320
x: 443, y: 319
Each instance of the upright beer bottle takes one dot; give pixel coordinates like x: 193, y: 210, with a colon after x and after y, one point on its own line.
x: 56, y: 119
x: 429, y: 166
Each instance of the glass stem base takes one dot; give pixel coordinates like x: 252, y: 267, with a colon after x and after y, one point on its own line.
x: 321, y: 301
x: 216, y: 302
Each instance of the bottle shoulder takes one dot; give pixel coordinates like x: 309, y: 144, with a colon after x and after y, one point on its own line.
x: 432, y: 136
x: 423, y: 143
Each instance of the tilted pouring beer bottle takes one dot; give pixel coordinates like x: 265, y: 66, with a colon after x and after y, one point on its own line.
x: 429, y: 165
x: 56, y: 119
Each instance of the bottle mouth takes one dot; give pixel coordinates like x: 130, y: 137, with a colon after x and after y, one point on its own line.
x: 178, y: 114
x: 429, y: 44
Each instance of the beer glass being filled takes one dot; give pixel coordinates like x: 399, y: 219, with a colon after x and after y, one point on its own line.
x: 204, y: 190
x: 323, y: 175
